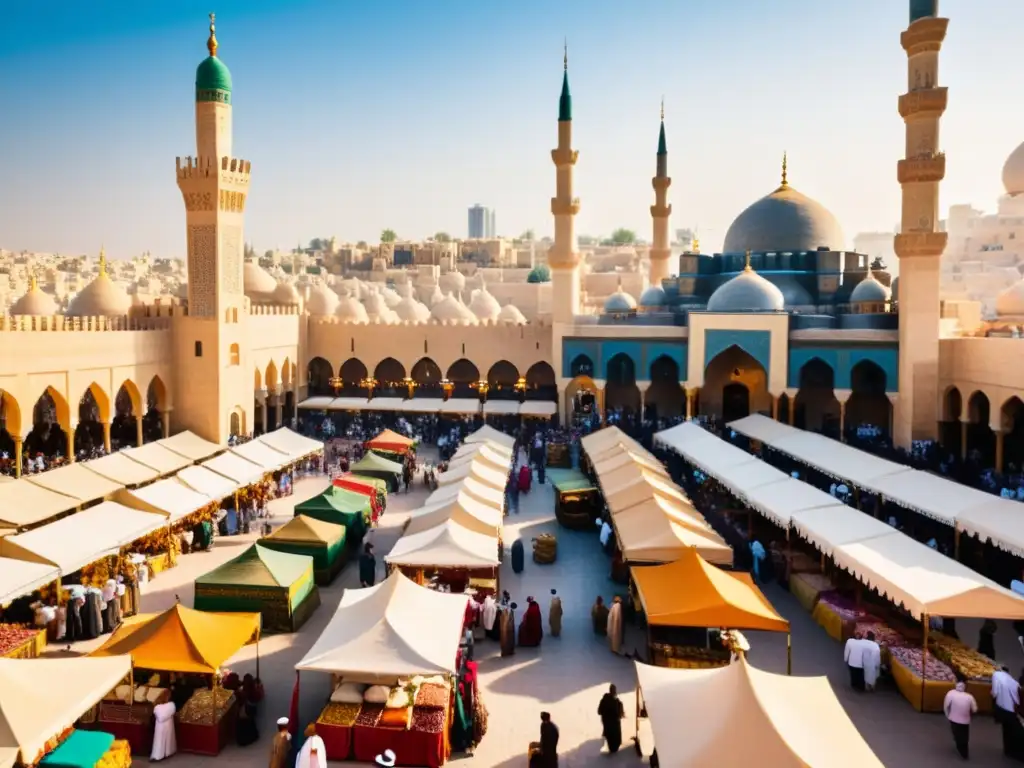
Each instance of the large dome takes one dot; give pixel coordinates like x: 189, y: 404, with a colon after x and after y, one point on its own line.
x: 257, y: 283
x: 322, y: 300
x: 35, y: 302
x: 1013, y: 172
x: 100, y: 298
x: 747, y: 292
x: 785, y: 220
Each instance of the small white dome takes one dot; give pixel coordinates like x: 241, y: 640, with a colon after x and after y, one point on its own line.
x: 510, y: 315
x: 870, y: 291
x: 436, y: 296
x: 411, y: 311
x: 653, y: 298
x: 1013, y: 172
x: 1010, y: 302
x: 747, y: 292
x: 351, y: 311
x: 286, y: 293
x: 483, y: 304
x: 619, y: 302
x: 257, y: 283
x: 451, y: 310
x: 322, y: 301
x: 453, y: 282
x: 100, y: 298
x: 377, y: 309
x: 391, y: 297
x: 35, y: 302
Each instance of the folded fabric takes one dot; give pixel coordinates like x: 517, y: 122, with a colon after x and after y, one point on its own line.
x: 377, y: 694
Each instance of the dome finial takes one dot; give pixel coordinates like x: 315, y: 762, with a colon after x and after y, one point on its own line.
x: 33, y: 284
x: 211, y: 43
x: 696, y: 242
x: 785, y: 169
x: 565, y: 55
x: 747, y: 267
x: 103, y: 261
x: 663, y: 109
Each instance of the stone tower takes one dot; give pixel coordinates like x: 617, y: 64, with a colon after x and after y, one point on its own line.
x: 563, y: 257
x: 919, y: 245
x: 211, y: 342
x: 660, y: 252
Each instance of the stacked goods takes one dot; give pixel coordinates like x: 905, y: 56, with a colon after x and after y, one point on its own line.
x: 432, y: 696
x: 206, y: 707
x: 545, y: 549
x: 935, y: 669
x: 688, y: 657
x: 427, y: 720
x: 369, y: 715
x: 395, y: 718
x: 18, y: 642
x: 962, y: 659
x: 843, y: 607
x: 885, y: 636
x: 118, y: 756
x: 340, y: 714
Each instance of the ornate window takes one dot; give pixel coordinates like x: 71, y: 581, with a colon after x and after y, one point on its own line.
x: 234, y: 355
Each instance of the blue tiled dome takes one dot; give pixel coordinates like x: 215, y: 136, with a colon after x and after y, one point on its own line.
x: 747, y: 292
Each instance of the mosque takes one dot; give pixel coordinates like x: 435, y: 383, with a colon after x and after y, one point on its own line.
x: 783, y: 321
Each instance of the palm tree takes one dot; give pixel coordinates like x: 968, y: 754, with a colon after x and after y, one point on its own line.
x: 388, y: 236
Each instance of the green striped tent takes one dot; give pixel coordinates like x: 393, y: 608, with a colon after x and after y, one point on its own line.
x: 324, y: 542
x: 373, y: 465
x: 340, y: 507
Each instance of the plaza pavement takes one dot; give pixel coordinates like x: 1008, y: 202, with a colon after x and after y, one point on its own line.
x: 565, y: 676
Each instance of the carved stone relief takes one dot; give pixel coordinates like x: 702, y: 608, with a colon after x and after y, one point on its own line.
x: 231, y: 259
x: 202, y: 270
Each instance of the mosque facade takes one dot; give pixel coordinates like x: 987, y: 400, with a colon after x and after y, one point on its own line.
x: 783, y: 321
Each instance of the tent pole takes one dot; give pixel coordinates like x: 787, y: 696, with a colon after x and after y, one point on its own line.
x: 924, y: 656
x: 789, y: 653
x: 956, y: 544
x: 257, y: 658
x: 789, y: 551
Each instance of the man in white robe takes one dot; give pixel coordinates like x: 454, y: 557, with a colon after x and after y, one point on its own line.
x: 165, y: 743
x: 489, y: 613
x: 313, y: 753
x: 872, y: 659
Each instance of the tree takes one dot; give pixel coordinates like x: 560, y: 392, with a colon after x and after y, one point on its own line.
x: 528, y: 235
x: 388, y: 236
x: 623, y: 236
x: 361, y: 245
x: 316, y: 244
x: 539, y: 274
x: 442, y: 237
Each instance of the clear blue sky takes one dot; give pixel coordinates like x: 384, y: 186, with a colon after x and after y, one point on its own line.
x: 364, y: 115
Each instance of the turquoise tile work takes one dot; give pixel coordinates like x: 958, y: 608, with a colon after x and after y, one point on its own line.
x: 842, y: 361
x: 757, y: 344
x: 590, y: 357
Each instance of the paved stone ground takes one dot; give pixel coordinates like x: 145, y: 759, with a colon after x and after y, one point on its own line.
x: 566, y: 675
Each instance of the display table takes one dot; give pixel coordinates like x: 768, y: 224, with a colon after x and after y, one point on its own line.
x: 824, y: 615
x: 687, y: 657
x: 806, y: 587
x: 337, y: 740
x: 410, y: 747
x: 132, y: 724
x: 82, y: 749
x: 159, y: 563
x: 909, y: 684
x: 33, y: 645
x: 208, y: 739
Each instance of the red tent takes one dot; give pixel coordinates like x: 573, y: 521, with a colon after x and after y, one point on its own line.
x: 389, y: 440
x: 350, y: 483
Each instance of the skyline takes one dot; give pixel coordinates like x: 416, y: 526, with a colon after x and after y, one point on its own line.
x: 408, y: 131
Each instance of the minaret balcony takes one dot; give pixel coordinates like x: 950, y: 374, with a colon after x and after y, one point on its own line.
x: 922, y: 169
x: 565, y: 207
x: 909, y: 245
x: 924, y: 34
x: 661, y: 182
x: 564, y: 157
x: 661, y: 211
x: 930, y: 101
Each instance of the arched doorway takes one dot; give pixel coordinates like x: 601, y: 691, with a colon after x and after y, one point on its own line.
x: 352, y: 373
x: 10, y: 428
x: 389, y: 374
x: 124, y: 429
x: 620, y: 391
x: 785, y: 406
x: 156, y: 404
x: 427, y: 376
x: 93, y: 412
x: 47, y: 437
x: 868, y: 405
x: 464, y: 376
x: 581, y: 365
x: 581, y: 402
x: 501, y: 381
x: 950, y: 431
x: 319, y: 373
x: 540, y: 383
x: 236, y: 423
x: 1013, y: 434
x: 664, y: 397
x: 980, y: 440
x: 816, y: 406
x: 730, y: 367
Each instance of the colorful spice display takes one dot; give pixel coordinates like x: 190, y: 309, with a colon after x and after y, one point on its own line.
x: 369, y: 715
x: 934, y: 669
x: 118, y: 756
x: 429, y: 720
x: 432, y: 696
x: 340, y: 714
x: 395, y: 718
x: 13, y: 636
x: 200, y: 709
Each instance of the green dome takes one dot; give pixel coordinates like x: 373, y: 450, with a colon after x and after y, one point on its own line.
x: 212, y: 75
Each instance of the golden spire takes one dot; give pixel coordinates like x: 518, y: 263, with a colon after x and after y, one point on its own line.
x: 33, y: 284
x: 211, y: 43
x: 696, y: 243
x: 103, y: 261
x: 565, y: 55
x: 747, y: 267
x: 785, y: 169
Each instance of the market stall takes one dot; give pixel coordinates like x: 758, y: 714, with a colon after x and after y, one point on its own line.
x: 324, y: 542
x: 161, y: 460
x: 474, y: 489
x: 291, y: 444
x: 373, y: 465
x: 467, y: 512
x: 390, y: 441
x: 657, y: 533
x: 340, y: 506
x: 191, y: 446
x: 169, y: 497
x: 486, y: 455
x: 577, y: 499
x: 41, y: 699
x: 235, y: 468
x: 711, y: 599
x: 488, y: 434
x: 207, y: 483
x: 628, y: 486
x: 449, y: 555
x: 20, y: 577
x: 193, y: 646
x: 482, y: 473
x: 379, y: 644
x: 506, y: 452
x: 76, y: 481
x: 277, y: 585
x: 262, y: 455
x: 118, y: 468
x: 24, y: 504
x: 787, y: 722
x: 373, y: 489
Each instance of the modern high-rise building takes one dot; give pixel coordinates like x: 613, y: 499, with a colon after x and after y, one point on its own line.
x: 481, y: 223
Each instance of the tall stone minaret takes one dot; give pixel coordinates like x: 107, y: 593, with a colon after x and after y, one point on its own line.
x: 661, y: 251
x: 563, y: 257
x: 211, y: 339
x: 919, y: 245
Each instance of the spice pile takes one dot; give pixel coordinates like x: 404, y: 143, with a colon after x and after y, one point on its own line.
x: 369, y: 715
x: 962, y: 659
x: 427, y: 720
x: 13, y: 635
x: 340, y: 714
x: 432, y: 695
x: 935, y: 669
x: 201, y: 709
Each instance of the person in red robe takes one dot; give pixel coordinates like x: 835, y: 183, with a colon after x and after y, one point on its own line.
x: 531, y: 630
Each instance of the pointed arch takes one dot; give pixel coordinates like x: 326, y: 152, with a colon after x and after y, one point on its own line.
x: 582, y: 365
x: 102, y: 401
x: 463, y: 371
x: 51, y: 417
x: 868, y: 404
x: 1012, y: 421
x: 236, y: 422
x: 10, y: 414
x: 286, y: 373
x: 952, y: 404
x: 541, y: 383
x: 270, y: 376
x: 352, y: 371
x: 426, y: 372
x: 620, y: 389
x: 129, y: 389
x: 156, y: 395
x: 735, y: 384
x: 664, y: 396
x: 257, y: 379
x: 815, y: 407
x: 319, y: 373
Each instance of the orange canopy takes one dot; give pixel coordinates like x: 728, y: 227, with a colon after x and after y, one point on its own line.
x: 182, y: 640
x: 389, y: 440
x: 693, y: 593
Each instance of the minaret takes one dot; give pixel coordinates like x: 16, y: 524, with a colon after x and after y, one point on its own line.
x: 661, y: 251
x: 919, y: 245
x: 214, y: 186
x: 563, y: 257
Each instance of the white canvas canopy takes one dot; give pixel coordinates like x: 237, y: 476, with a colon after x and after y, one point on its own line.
x: 607, y: 438
x: 318, y: 403
x: 168, y: 497
x: 787, y: 722
x: 705, y: 451
x: 461, y: 405
x: 623, y: 489
x: 291, y: 444
x: 501, y: 407
x: 648, y: 534
x: 471, y: 449
x: 23, y: 503
x: 447, y: 545
x: 463, y: 510
x: 538, y: 408
x: 18, y: 577
x: 118, y: 468
x: 998, y: 520
x: 924, y: 581
x: 191, y: 446
x: 157, y: 457
x: 480, y: 472
x: 207, y: 482
x: 40, y: 698
x: 484, y: 457
x: 492, y: 497
x: 76, y: 481
x: 781, y: 501
x: 831, y: 527
x: 82, y: 538
x: 393, y: 630
x: 386, y: 404
x: 488, y: 434
x: 423, y: 405
x: 624, y: 458
x: 261, y: 454
x: 930, y: 495
x: 234, y: 467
